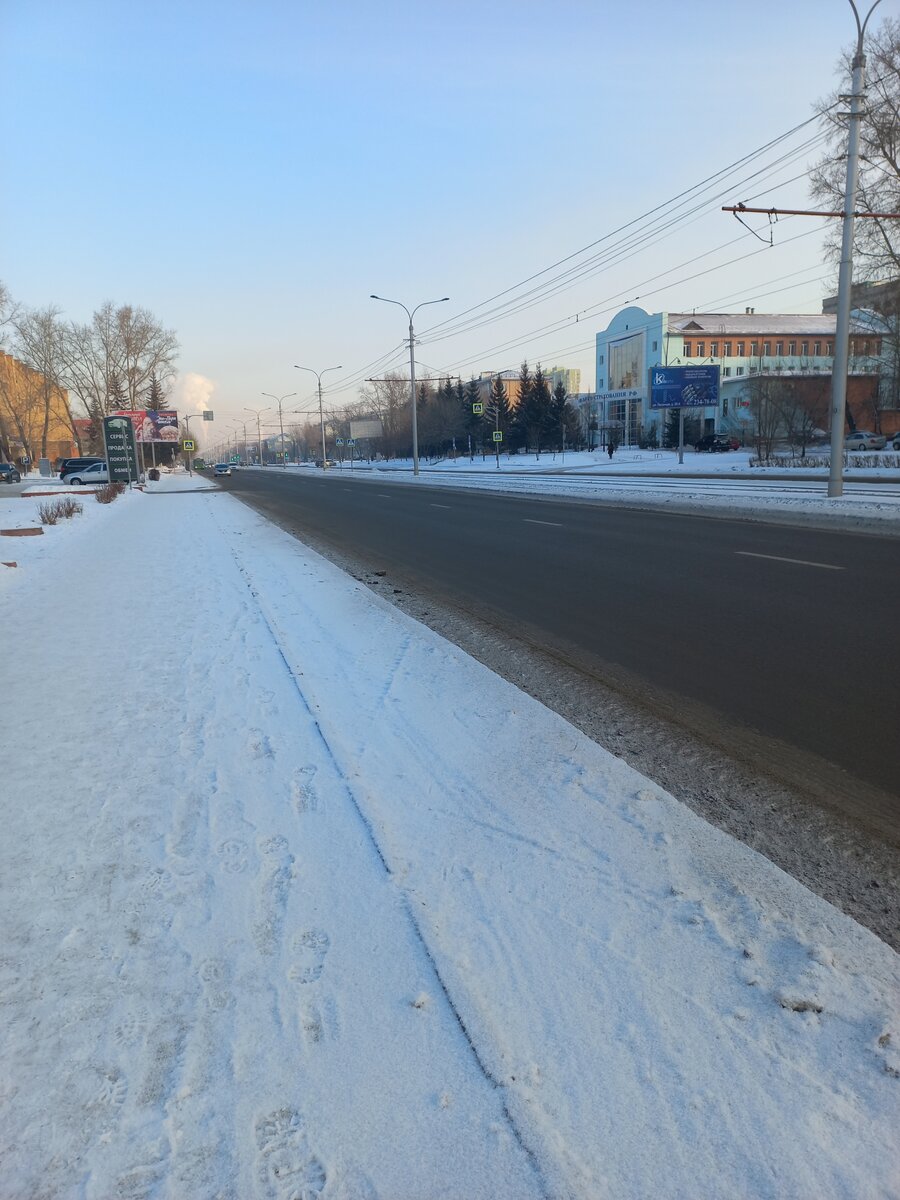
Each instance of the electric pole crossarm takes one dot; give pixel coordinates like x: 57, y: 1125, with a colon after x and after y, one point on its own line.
x: 805, y: 212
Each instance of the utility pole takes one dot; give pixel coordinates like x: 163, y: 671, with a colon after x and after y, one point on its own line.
x: 412, y: 367
x: 257, y: 412
x: 279, y: 400
x: 845, y: 276
x: 318, y: 375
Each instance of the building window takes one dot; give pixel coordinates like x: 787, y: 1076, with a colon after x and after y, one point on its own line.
x: 726, y: 370
x: 601, y: 359
x: 740, y: 352
x: 726, y: 349
x: 701, y: 349
x: 817, y: 349
x: 779, y: 349
x: 829, y: 348
x: 714, y: 349
x: 792, y: 349
x: 655, y: 345
x: 739, y: 371
x: 767, y: 349
x: 725, y: 403
x: 687, y: 349
x: 754, y: 349
x: 804, y: 349
x: 599, y: 385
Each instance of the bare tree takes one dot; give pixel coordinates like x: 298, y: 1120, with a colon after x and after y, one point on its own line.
x: 767, y: 395
x: 877, y: 242
x: 388, y: 400
x: 38, y: 344
x: 804, y: 413
x: 119, y: 358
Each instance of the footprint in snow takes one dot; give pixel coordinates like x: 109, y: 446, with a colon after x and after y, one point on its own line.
x: 287, y: 1169
x: 311, y: 948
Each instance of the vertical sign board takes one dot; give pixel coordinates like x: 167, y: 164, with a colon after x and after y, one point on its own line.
x: 684, y: 387
x: 121, y: 453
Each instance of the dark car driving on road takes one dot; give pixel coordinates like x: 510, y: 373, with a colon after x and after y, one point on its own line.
x: 9, y: 473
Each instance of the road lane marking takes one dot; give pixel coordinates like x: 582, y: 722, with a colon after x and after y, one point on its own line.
x: 801, y: 562
x: 555, y: 524
x: 383, y: 495
x: 432, y: 505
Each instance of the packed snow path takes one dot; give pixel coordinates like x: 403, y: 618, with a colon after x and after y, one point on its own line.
x: 301, y: 901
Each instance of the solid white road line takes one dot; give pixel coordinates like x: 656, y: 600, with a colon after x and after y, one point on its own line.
x: 801, y: 562
x: 555, y: 524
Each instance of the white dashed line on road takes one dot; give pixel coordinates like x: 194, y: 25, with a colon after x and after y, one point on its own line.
x: 555, y: 524
x: 800, y: 562
x: 432, y: 505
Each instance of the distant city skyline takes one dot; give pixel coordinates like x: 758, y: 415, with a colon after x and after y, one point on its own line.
x: 252, y: 177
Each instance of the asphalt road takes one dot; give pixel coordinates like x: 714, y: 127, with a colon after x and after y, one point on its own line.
x: 771, y: 630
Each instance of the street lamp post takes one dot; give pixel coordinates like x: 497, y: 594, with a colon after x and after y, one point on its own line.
x: 845, y: 276
x: 318, y: 375
x: 412, y: 367
x: 257, y: 412
x: 243, y: 424
x: 279, y: 400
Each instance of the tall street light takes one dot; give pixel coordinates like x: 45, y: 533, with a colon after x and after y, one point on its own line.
x: 258, y: 412
x: 318, y: 375
x: 845, y: 276
x: 412, y: 367
x: 279, y: 400
x: 243, y: 424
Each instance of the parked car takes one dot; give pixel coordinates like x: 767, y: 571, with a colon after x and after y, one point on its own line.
x: 222, y: 469
x: 68, y: 465
x: 95, y: 472
x: 861, y: 439
x: 895, y: 442
x: 9, y: 473
x: 715, y: 443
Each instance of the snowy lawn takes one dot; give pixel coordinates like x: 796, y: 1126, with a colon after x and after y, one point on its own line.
x: 300, y: 901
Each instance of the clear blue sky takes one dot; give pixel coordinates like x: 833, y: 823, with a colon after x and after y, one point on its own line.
x: 251, y: 172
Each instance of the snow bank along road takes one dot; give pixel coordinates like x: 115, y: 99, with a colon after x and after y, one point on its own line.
x: 300, y: 901
x: 737, y: 626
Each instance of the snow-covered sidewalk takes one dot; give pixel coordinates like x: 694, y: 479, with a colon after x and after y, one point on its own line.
x: 300, y: 901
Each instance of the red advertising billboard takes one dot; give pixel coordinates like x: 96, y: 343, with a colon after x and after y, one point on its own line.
x: 152, y: 426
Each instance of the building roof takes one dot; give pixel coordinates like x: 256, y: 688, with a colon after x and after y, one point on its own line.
x: 748, y: 324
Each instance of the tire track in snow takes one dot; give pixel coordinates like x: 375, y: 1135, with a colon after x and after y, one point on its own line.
x: 272, y: 627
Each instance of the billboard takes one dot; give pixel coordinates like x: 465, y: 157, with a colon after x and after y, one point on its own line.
x: 684, y: 387
x: 152, y: 426
x: 365, y: 429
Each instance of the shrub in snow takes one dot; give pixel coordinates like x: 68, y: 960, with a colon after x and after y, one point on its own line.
x: 108, y: 493
x: 57, y: 510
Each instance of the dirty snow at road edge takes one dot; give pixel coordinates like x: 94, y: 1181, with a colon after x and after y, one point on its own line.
x: 300, y: 900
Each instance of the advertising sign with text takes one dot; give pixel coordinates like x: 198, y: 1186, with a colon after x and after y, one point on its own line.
x: 684, y: 387
x: 152, y: 426
x: 121, y: 452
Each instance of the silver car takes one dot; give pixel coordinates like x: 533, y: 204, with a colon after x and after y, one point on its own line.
x: 95, y: 473
x: 863, y: 440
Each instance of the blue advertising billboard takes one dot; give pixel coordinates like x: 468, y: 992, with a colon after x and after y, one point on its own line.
x: 684, y: 387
